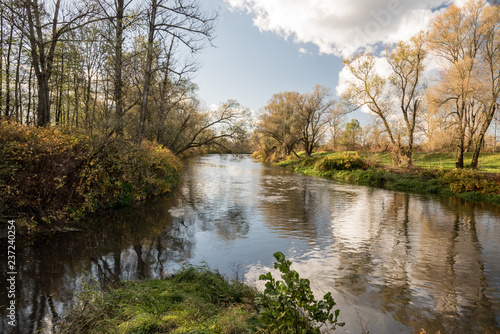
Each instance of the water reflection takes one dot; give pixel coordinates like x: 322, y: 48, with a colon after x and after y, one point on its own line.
x: 405, y: 262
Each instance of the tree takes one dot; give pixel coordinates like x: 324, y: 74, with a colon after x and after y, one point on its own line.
x: 180, y: 20
x: 404, y: 89
x: 336, y: 124
x: 280, y: 122
x: 313, y: 112
x: 466, y: 40
x: 490, y: 54
x: 351, y: 137
x: 45, y: 26
x: 406, y: 61
x: 291, y: 119
x: 217, y: 130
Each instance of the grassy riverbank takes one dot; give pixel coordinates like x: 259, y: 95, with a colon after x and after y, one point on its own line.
x: 199, y: 300
x: 50, y: 177
x: 195, y: 300
x: 432, y: 173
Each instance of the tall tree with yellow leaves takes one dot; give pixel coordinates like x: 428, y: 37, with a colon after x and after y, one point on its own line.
x: 397, y: 100
x: 466, y: 39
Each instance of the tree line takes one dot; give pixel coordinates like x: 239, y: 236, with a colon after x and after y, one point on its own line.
x: 118, y: 68
x: 124, y: 68
x: 453, y: 105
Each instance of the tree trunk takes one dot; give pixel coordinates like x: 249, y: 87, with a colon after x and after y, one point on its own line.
x: 163, y: 97
x: 43, y: 107
x: 77, y: 97
x: 460, y: 157
x: 475, y: 155
x: 28, y: 107
x: 18, y: 89
x: 7, y: 74
x: 479, y: 143
x: 59, y: 94
x: 118, y: 64
x: 1, y: 59
x: 147, y: 74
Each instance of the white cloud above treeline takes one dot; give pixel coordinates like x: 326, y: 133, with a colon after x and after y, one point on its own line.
x: 342, y: 27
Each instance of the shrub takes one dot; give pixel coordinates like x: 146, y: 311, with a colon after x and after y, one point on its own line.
x: 39, y: 171
x: 308, y: 162
x: 340, y: 162
x: 469, y: 180
x: 213, y: 286
x: 289, y: 306
x: 119, y: 173
x: 49, y: 175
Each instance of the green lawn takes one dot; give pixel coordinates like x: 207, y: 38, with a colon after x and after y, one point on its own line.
x: 435, y: 173
x: 488, y: 162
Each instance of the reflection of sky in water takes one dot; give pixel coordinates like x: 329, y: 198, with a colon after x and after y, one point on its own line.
x: 405, y: 262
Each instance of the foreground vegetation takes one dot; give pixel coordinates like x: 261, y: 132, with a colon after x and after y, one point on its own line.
x: 432, y: 173
x: 199, y: 300
x: 49, y: 177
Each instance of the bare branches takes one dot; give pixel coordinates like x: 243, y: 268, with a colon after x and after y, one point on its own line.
x: 403, y: 90
x: 292, y: 118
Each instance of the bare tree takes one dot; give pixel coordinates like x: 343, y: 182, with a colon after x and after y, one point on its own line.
x: 181, y: 20
x: 313, y: 112
x: 46, y: 24
x: 193, y: 128
x: 402, y: 90
x: 466, y: 39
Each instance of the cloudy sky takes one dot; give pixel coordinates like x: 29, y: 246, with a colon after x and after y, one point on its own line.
x: 268, y: 46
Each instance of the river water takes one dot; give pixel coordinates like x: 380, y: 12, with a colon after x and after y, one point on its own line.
x: 397, y: 262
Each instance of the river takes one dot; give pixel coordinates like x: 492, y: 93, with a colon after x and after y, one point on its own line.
x: 398, y: 262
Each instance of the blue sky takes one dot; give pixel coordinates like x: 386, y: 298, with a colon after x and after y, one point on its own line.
x: 263, y: 47
x: 250, y: 66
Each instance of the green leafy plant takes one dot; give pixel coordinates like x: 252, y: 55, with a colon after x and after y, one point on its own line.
x: 52, y: 176
x: 469, y: 180
x: 340, y: 162
x: 289, y: 306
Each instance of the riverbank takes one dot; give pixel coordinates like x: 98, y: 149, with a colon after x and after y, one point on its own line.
x: 52, y: 177
x: 194, y: 300
x: 365, y: 170
x: 200, y: 300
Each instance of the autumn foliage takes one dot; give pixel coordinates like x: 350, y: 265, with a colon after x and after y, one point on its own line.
x: 49, y: 176
x: 340, y: 162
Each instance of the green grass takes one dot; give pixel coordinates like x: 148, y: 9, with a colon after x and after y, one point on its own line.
x: 195, y: 300
x: 432, y: 173
x: 488, y: 162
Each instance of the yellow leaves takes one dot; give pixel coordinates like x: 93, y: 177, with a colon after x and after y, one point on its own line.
x: 468, y: 180
x: 40, y: 161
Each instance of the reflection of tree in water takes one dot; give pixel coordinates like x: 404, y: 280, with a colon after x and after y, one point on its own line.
x: 213, y: 205
x: 396, y: 268
x: 130, y: 244
x: 423, y: 262
x: 465, y: 293
x: 289, y: 204
x: 354, y: 270
x: 438, y: 267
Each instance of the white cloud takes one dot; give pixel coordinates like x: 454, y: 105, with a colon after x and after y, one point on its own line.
x: 303, y: 51
x: 341, y: 27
